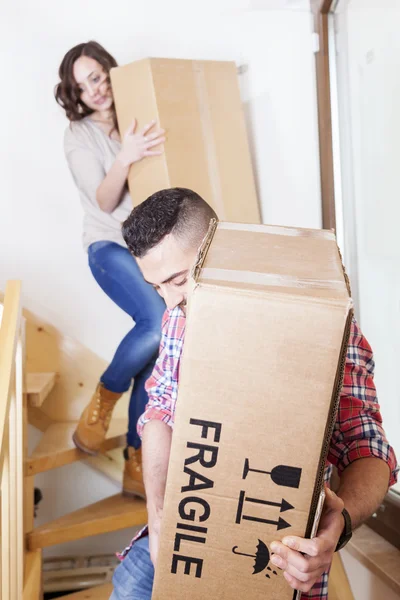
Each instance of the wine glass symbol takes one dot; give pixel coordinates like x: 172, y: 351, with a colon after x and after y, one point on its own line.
x: 281, y: 474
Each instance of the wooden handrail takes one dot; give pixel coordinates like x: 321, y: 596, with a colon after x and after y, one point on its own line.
x: 9, y: 333
x: 11, y: 444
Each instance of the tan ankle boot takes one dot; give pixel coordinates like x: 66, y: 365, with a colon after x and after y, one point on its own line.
x: 95, y: 420
x: 133, y: 478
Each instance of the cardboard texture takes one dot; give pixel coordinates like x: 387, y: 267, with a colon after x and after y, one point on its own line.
x: 199, y: 105
x: 267, y: 330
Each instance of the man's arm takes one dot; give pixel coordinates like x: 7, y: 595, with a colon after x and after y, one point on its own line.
x: 155, y: 425
x: 363, y: 485
x: 365, y: 462
x: 359, y: 497
x: 156, y: 446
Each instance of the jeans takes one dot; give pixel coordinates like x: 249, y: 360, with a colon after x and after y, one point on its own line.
x: 133, y: 578
x: 119, y: 276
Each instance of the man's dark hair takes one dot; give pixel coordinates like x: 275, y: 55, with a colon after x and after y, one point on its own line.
x: 179, y: 211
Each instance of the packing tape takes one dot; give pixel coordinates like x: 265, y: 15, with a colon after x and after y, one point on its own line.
x: 208, y: 137
x: 276, y: 230
x: 204, y: 247
x: 268, y: 279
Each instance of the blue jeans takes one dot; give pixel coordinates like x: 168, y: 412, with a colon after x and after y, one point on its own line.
x: 133, y: 578
x: 118, y: 275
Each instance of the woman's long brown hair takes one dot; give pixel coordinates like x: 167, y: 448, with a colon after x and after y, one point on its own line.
x: 67, y: 92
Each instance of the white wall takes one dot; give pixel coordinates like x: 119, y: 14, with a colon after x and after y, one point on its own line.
x: 41, y: 216
x: 40, y: 224
x: 368, y: 60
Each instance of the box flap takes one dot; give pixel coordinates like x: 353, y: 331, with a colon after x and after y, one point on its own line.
x: 262, y: 258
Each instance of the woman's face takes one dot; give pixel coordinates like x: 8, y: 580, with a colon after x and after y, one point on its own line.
x: 93, y: 84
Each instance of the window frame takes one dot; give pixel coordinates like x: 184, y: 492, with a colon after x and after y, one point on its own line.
x: 386, y: 520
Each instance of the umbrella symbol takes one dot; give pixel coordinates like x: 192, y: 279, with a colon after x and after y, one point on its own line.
x: 262, y: 557
x: 281, y: 474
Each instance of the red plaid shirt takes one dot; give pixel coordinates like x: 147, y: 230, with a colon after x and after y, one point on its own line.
x: 358, y: 431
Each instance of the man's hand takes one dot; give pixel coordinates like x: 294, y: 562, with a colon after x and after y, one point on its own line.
x: 303, y: 560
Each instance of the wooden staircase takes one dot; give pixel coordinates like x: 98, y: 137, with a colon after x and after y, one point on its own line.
x: 38, y: 387
x: 57, y: 378
x: 110, y: 514
x: 49, y: 403
x: 56, y: 449
x: 61, y: 376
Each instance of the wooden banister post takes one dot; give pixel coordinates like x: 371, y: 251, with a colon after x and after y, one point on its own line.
x: 11, y: 445
x: 5, y: 521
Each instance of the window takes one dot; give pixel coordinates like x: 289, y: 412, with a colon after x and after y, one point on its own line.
x: 365, y: 96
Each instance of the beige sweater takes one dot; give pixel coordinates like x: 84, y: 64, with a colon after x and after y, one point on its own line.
x: 90, y: 154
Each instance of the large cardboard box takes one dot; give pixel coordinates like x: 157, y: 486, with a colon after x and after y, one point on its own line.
x: 267, y: 331
x: 198, y: 103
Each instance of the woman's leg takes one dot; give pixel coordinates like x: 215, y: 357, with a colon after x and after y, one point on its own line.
x: 117, y: 273
x: 138, y: 402
x: 132, y: 482
x: 133, y: 578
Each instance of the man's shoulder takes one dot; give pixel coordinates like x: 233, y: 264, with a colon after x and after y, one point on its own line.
x: 358, y: 345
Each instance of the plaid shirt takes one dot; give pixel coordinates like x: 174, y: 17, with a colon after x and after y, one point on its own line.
x: 162, y: 385
x: 358, y: 431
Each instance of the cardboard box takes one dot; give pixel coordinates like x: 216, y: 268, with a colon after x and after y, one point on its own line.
x: 198, y: 103
x: 267, y: 330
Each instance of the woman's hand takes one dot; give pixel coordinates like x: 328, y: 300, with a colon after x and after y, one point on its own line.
x: 136, y: 146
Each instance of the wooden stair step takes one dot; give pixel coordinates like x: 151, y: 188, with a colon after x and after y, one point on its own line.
x: 111, y: 463
x: 56, y: 447
x: 110, y: 514
x: 33, y: 576
x: 39, y: 386
x: 100, y: 592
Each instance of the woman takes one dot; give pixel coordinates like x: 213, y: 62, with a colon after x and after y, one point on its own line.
x: 99, y: 162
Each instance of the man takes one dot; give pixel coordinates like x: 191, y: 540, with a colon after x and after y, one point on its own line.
x: 164, y: 234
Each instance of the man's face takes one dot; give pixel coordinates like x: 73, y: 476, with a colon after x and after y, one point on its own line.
x: 167, y: 267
